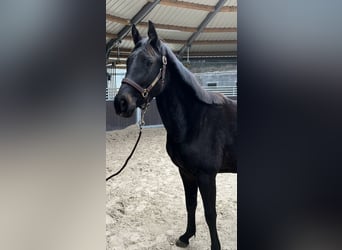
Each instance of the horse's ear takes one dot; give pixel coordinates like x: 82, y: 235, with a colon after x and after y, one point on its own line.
x: 135, y: 34
x: 152, y: 35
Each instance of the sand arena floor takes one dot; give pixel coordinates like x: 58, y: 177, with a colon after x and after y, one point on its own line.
x: 145, y: 206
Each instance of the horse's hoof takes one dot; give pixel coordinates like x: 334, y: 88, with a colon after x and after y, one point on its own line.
x: 182, y: 244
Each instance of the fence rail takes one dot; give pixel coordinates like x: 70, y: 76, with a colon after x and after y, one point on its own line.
x: 226, y: 90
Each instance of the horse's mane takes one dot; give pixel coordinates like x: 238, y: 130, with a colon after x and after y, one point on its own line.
x: 190, y: 80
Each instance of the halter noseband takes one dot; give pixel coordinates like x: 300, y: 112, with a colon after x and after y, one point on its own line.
x: 145, y: 91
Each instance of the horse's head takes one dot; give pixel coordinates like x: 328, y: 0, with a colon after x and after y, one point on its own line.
x: 145, y: 74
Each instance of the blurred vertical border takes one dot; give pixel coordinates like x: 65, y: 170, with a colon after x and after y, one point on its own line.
x: 290, y: 106
x: 52, y: 113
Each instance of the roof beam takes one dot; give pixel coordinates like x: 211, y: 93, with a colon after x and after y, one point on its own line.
x: 120, y: 20
x: 173, y: 41
x: 201, y: 27
x: 147, y: 8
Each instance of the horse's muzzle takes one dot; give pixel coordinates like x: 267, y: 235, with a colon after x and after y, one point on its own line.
x: 124, y: 105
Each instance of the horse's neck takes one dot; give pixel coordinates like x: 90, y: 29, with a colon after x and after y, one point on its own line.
x: 174, y: 106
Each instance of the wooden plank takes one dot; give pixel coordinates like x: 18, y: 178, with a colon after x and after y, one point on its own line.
x: 116, y: 19
x: 219, y: 30
x: 187, y: 5
x: 111, y: 35
x: 229, y: 9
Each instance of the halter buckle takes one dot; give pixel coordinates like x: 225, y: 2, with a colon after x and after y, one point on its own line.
x: 164, y: 60
x: 144, y: 93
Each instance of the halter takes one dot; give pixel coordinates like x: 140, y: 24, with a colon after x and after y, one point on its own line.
x: 145, y: 91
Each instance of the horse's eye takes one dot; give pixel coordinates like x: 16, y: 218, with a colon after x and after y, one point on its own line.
x: 148, y: 62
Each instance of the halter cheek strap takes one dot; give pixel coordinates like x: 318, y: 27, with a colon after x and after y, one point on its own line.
x: 145, y: 91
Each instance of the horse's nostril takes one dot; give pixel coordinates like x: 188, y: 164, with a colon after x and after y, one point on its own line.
x: 123, y: 105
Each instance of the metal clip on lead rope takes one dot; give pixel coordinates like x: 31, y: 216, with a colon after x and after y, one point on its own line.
x: 141, y: 124
x: 142, y: 116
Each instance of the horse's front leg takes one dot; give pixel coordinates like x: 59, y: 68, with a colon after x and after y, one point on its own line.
x: 207, y: 187
x: 190, y: 188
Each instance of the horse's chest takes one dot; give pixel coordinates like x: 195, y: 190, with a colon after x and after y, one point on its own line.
x: 176, y: 154
x: 192, y: 156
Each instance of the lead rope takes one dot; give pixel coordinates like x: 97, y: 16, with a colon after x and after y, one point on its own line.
x: 141, y: 123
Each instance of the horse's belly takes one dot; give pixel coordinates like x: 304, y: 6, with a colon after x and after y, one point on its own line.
x: 195, y: 159
x: 229, y: 163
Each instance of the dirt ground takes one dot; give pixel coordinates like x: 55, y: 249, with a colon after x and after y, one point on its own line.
x: 145, y: 204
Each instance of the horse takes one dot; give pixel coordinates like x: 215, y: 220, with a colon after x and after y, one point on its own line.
x: 201, y: 126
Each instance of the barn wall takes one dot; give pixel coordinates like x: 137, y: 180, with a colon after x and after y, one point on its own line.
x: 212, y: 65
x: 221, y: 71
x: 113, y: 121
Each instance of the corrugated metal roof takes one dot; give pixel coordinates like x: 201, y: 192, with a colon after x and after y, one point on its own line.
x: 167, y: 34
x: 217, y: 36
x: 174, y: 23
x: 175, y: 47
x: 205, y: 2
x: 113, y: 28
x: 124, y: 9
x: 212, y: 2
x: 223, y: 19
x: 231, y: 3
x: 176, y: 16
x: 210, y: 48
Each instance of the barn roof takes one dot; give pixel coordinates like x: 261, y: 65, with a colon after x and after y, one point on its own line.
x: 201, y: 27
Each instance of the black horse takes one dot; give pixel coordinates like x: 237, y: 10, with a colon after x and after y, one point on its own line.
x: 201, y: 126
